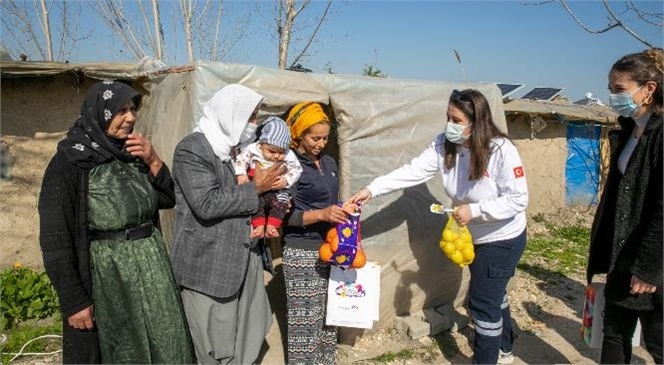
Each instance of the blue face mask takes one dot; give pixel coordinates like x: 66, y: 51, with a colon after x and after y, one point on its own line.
x: 623, y: 104
x: 454, y: 133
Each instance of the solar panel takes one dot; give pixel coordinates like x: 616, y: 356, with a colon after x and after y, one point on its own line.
x: 509, y: 89
x: 543, y: 93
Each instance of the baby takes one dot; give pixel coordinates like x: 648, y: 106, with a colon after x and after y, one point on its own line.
x: 272, y: 146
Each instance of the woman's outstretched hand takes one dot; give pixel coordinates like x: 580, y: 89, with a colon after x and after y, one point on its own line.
x: 360, y: 198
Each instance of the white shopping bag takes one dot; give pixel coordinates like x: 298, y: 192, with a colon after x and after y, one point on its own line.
x: 592, y: 320
x: 353, y: 296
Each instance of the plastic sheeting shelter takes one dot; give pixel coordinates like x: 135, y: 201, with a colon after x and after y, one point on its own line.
x: 382, y: 124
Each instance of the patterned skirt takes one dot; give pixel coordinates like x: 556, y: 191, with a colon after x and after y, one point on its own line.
x: 310, y: 341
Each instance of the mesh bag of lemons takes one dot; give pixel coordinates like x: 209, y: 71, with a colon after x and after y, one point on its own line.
x: 457, y: 243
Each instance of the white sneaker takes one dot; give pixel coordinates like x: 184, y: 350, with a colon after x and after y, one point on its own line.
x: 505, y: 357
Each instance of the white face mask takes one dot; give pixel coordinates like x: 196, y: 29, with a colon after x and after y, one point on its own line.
x: 249, y: 133
x: 454, y: 133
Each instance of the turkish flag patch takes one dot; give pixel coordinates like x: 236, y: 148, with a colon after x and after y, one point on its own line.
x: 518, y: 172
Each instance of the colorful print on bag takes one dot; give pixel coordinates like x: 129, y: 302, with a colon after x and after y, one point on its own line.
x: 342, y: 246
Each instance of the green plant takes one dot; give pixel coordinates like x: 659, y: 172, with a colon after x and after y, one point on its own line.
x: 391, y: 356
x: 539, y: 218
x: 562, y: 250
x: 25, y: 294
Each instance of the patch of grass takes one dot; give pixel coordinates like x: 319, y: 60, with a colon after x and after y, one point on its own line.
x: 562, y: 250
x: 20, y: 334
x: 393, y: 356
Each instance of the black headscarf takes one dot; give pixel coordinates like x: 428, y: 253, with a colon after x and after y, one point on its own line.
x: 87, y: 144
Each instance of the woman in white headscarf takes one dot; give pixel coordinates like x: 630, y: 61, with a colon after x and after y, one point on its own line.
x: 214, y: 260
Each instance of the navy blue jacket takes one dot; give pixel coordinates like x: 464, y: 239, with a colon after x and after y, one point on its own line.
x: 317, y: 188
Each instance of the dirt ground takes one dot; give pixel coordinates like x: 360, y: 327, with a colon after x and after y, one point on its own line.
x: 546, y: 312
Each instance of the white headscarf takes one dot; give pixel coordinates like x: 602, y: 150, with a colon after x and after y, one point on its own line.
x: 225, y: 116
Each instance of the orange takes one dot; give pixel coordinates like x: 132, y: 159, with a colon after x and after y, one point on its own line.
x: 360, y: 259
x: 325, y: 252
x: 333, y: 239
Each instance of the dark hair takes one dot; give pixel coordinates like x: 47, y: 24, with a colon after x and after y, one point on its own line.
x: 476, y: 108
x: 643, y: 67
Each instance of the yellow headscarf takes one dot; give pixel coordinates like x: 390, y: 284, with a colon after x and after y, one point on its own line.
x: 302, y: 116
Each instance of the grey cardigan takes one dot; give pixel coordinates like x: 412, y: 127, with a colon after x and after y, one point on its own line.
x: 211, y: 243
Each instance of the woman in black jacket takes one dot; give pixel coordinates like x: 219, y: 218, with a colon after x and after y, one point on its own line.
x: 626, y: 237
x: 100, y: 240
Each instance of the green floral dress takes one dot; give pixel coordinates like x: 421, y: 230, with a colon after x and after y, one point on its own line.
x: 137, y: 305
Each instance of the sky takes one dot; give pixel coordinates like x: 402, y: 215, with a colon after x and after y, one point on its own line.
x: 498, y: 41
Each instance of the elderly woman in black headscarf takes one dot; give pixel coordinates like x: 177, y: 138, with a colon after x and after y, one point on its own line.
x: 101, y: 244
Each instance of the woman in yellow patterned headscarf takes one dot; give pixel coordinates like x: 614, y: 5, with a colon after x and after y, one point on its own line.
x: 302, y: 116
x: 314, y: 212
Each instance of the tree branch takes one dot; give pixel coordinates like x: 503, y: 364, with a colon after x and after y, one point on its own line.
x: 623, y: 26
x: 578, y: 21
x: 46, y: 28
x: 313, y: 35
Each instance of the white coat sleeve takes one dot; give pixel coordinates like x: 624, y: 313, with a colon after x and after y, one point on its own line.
x: 510, y: 179
x: 419, y: 170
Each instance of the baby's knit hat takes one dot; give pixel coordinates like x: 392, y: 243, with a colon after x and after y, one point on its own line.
x: 275, y: 132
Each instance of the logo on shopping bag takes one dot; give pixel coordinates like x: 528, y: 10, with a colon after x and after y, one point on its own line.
x: 350, y: 290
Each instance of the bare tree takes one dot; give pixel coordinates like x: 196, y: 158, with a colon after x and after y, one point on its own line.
x: 142, y: 33
x: 133, y: 29
x: 27, y: 28
x: 285, y: 14
x: 629, y: 12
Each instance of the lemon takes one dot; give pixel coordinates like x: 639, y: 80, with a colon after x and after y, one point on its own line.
x: 457, y: 257
x: 468, y: 244
x: 466, y: 235
x: 468, y: 254
x: 448, y: 235
x: 459, y: 243
x: 448, y: 248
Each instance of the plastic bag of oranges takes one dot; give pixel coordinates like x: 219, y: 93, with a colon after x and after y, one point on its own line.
x: 457, y: 243
x: 342, y: 246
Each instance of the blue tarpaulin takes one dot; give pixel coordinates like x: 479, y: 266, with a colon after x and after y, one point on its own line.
x: 583, y: 161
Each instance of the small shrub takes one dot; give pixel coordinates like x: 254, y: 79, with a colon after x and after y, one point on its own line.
x: 391, y: 356
x: 539, y: 218
x: 25, y: 294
